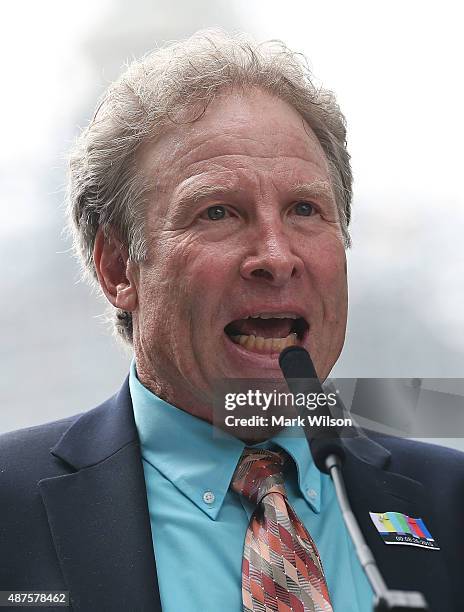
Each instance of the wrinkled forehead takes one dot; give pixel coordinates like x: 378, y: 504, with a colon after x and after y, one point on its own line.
x: 236, y: 125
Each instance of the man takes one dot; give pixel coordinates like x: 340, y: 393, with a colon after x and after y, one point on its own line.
x: 210, y: 198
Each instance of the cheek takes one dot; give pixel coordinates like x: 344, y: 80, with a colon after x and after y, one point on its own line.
x: 192, y: 275
x: 328, y: 262
x: 209, y: 265
x: 209, y: 284
x: 328, y: 272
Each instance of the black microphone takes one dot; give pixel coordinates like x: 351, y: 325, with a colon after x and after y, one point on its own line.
x: 329, y: 455
x: 301, y: 376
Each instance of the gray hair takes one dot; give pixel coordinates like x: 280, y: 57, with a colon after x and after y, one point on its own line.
x: 105, y: 187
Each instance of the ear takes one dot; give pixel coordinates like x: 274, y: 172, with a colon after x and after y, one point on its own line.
x: 116, y: 274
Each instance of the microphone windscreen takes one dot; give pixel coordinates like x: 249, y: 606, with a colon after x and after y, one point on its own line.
x: 299, y: 371
x: 295, y: 362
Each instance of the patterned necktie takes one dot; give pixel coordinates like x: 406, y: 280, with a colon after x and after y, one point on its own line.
x: 281, y: 569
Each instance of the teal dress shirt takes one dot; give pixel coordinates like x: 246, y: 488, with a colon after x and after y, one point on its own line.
x: 198, y: 525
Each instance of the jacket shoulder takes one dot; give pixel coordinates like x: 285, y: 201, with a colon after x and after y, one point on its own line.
x: 423, y: 453
x: 439, y: 468
x: 34, y: 439
x: 37, y: 432
x: 25, y: 457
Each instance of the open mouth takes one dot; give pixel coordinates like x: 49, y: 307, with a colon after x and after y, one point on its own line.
x: 267, y: 333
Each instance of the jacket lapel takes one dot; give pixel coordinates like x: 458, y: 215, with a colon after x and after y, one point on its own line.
x: 98, y: 515
x: 372, y: 488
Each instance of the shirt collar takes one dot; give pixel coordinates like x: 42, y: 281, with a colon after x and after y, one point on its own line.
x: 172, y: 440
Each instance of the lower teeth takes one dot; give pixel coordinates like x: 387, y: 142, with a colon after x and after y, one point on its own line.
x: 258, y: 344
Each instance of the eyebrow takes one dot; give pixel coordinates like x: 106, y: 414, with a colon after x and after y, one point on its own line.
x: 316, y: 189
x: 192, y: 195
x: 201, y: 192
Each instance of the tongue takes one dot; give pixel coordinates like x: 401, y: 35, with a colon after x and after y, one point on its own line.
x: 266, y: 328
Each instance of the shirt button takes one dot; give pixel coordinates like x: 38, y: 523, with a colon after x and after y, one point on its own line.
x: 312, y: 493
x: 208, y: 497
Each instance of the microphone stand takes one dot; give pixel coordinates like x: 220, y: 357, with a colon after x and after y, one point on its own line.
x: 328, y: 454
x: 385, y: 599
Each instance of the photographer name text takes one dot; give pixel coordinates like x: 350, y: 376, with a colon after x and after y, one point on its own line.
x: 280, y: 421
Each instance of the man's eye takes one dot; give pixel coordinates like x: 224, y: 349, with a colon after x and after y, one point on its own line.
x: 304, y: 209
x: 215, y: 213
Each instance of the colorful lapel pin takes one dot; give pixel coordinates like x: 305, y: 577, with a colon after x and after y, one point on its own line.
x: 398, y: 528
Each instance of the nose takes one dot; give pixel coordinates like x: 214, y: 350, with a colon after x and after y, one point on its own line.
x: 274, y: 259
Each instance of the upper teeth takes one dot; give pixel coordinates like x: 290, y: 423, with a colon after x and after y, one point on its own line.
x: 274, y: 315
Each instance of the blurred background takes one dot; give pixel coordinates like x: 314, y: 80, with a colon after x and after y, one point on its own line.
x: 396, y: 68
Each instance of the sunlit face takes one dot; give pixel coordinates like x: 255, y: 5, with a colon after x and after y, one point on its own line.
x: 246, y: 254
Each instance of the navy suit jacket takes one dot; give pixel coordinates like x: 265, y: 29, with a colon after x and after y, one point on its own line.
x: 74, y: 514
